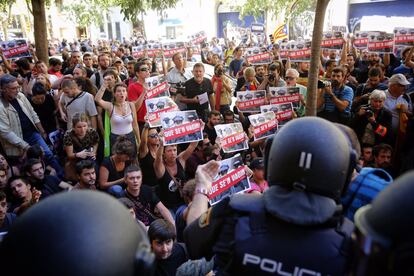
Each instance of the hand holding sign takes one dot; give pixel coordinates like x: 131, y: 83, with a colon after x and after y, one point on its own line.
x: 205, y: 174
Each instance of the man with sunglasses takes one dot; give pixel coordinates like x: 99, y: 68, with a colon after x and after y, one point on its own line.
x: 137, y: 92
x: 292, y: 76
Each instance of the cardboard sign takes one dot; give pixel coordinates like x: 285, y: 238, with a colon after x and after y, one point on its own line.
x: 300, y: 51
x: 18, y: 48
x: 264, y: 124
x: 157, y: 87
x: 380, y: 42
x: 332, y: 41
x: 281, y: 95
x: 258, y: 56
x: 403, y: 37
x: 232, y: 137
x: 181, y: 127
x: 360, y: 40
x: 157, y: 106
x: 172, y: 48
x: 284, y: 50
x: 283, y: 112
x: 231, y: 179
x: 250, y: 101
x: 149, y: 50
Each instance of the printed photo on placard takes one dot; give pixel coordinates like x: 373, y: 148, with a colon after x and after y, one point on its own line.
x: 172, y: 48
x: 283, y: 112
x: 360, y: 40
x: 156, y: 106
x: 264, y: 124
x: 281, y: 95
x: 284, y: 50
x: 300, y: 51
x: 332, y: 41
x: 232, y: 137
x: 258, y: 56
x: 157, y: 87
x: 250, y: 101
x: 181, y: 127
x: 15, y: 49
x: 403, y: 37
x: 380, y: 42
x: 231, y: 179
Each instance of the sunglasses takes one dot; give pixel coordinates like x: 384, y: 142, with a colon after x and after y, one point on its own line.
x: 143, y: 69
x: 155, y: 135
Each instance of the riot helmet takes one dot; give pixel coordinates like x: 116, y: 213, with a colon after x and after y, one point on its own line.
x: 77, y: 233
x: 383, y: 240
x: 309, y: 154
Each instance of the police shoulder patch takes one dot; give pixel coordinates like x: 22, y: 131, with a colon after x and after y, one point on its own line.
x: 204, y: 219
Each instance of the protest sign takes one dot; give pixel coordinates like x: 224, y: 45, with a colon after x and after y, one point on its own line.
x: 281, y: 95
x: 258, y: 56
x: 257, y: 28
x: 172, y: 48
x: 332, y: 41
x: 264, y: 124
x: 231, y: 179
x: 181, y: 127
x: 156, y: 106
x: 157, y: 87
x: 283, y: 112
x: 15, y: 49
x: 284, y: 50
x: 232, y: 137
x: 250, y: 101
x: 360, y: 40
x: 342, y: 29
x: 148, y: 50
x: 300, y: 51
x: 198, y: 38
x: 380, y: 42
x: 403, y: 37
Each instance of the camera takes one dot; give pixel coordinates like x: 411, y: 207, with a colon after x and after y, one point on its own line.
x: 368, y: 111
x: 271, y: 77
x: 177, y: 88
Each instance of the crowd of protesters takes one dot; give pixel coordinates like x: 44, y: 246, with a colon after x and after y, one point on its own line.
x: 54, y: 118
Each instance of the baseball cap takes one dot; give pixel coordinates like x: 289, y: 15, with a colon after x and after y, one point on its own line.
x: 257, y: 163
x: 399, y: 78
x: 117, y: 59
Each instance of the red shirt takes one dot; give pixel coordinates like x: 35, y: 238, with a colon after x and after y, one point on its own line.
x: 57, y: 74
x: 134, y: 91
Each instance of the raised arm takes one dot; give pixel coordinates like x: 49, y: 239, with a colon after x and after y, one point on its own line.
x: 98, y: 99
x: 159, y: 167
x: 182, y: 157
x: 143, y: 148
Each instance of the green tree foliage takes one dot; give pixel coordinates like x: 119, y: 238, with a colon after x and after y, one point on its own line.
x: 87, y: 12
x: 288, y: 8
x: 132, y: 9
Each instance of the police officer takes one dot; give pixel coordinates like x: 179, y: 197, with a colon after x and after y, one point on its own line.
x: 76, y: 233
x: 384, y: 240
x: 296, y: 226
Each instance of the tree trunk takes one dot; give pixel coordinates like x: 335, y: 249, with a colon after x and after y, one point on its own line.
x: 40, y: 29
x: 315, y: 57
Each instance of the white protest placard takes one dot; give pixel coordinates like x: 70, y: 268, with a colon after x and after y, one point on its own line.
x: 157, y: 87
x: 403, y: 37
x: 332, y: 41
x: 258, y: 56
x: 172, y: 48
x: 157, y: 106
x: 250, y: 101
x: 264, y: 124
x: 380, y: 42
x: 300, y: 51
x: 231, y: 179
x: 203, y: 98
x: 281, y: 95
x: 360, y: 40
x: 181, y: 127
x: 15, y: 49
x: 283, y: 112
x: 232, y: 137
x: 198, y: 38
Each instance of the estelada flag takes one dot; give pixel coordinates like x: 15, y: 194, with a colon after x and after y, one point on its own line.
x: 281, y: 32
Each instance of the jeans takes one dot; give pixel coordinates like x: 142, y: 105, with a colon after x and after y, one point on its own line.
x: 36, y: 138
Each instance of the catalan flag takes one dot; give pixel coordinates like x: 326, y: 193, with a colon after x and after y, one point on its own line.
x: 281, y: 32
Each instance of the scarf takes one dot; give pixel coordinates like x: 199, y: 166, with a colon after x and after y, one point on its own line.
x: 218, y: 90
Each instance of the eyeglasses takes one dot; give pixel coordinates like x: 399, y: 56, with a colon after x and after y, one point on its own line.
x: 289, y: 78
x: 154, y: 135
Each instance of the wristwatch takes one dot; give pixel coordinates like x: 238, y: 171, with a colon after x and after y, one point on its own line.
x: 202, y: 191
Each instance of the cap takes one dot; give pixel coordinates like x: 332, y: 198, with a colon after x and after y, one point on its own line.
x: 257, y: 163
x: 117, y: 59
x: 399, y: 78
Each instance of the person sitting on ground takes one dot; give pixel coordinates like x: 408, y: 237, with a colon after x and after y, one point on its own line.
x: 24, y: 195
x: 169, y: 255
x: 86, y: 175
x: 6, y: 218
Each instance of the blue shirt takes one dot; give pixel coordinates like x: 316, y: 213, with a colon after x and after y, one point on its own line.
x: 345, y: 93
x: 235, y: 66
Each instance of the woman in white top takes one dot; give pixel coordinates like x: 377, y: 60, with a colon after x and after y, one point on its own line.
x: 122, y: 114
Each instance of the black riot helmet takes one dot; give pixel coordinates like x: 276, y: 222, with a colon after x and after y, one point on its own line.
x: 384, y: 240
x: 76, y: 233
x: 309, y: 154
